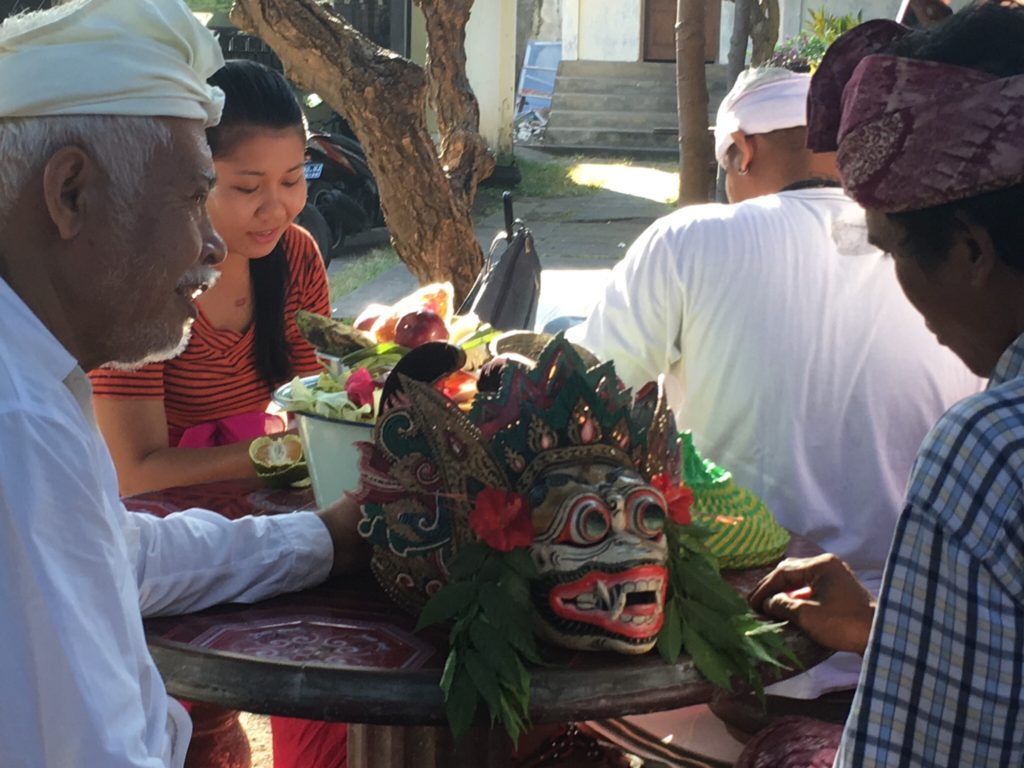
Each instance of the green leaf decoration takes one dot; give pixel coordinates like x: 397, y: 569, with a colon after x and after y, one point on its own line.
x: 516, y: 589
x: 759, y: 652
x: 487, y: 599
x: 499, y: 610
x: 448, y: 675
x: 711, y: 621
x: 511, y: 719
x: 712, y: 664
x: 521, y: 562
x: 523, y: 686
x: 493, y: 646
x: 766, y: 627
x: 522, y: 639
x: 670, y: 639
x: 469, y: 560
x: 485, y: 679
x: 461, y: 702
x: 447, y: 603
x: 493, y: 567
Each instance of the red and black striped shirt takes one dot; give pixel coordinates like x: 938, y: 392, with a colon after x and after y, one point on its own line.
x: 216, y: 377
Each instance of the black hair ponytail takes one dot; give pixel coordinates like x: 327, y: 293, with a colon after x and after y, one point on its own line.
x: 255, y: 98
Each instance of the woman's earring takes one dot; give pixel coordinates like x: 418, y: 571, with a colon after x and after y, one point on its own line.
x: 743, y: 171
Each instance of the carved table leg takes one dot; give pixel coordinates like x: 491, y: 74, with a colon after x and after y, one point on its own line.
x: 218, y: 740
x: 391, y: 746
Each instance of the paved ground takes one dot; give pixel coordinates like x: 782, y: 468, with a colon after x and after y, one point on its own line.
x: 578, y: 239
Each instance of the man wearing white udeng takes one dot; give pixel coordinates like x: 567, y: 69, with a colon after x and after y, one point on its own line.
x: 789, y: 349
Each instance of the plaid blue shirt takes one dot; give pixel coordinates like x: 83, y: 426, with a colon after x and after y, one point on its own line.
x: 943, y: 680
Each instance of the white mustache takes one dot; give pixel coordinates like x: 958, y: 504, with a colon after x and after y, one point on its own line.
x: 197, y: 280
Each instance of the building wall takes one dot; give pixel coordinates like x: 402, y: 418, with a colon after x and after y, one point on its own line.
x: 601, y: 30
x: 610, y: 30
x: 536, y: 20
x: 491, y: 66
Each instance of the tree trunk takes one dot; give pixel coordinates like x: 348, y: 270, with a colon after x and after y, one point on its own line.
x: 738, y: 41
x: 426, y: 200
x: 696, y: 149
x: 764, y: 30
x: 463, y: 151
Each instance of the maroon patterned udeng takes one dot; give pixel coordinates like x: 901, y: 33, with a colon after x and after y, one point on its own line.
x: 825, y: 96
x: 914, y: 134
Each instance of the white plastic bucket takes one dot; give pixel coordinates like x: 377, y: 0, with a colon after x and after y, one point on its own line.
x: 329, y: 446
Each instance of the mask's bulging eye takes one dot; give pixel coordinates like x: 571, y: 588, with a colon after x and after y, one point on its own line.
x: 646, y: 513
x: 590, y: 520
x: 594, y: 524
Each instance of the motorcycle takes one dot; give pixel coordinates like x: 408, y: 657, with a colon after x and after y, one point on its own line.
x: 341, y: 188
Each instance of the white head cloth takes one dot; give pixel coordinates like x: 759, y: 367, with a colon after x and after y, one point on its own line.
x: 763, y: 100
x: 148, y: 58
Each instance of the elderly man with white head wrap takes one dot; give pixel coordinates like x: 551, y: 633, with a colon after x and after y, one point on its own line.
x: 104, y: 172
x: 788, y: 348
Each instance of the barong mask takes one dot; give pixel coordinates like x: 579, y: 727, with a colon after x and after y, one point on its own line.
x: 588, y: 460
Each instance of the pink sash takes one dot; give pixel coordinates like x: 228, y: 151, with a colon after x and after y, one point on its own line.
x: 232, y: 429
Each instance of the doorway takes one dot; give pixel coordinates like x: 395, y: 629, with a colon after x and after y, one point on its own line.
x: 660, y: 30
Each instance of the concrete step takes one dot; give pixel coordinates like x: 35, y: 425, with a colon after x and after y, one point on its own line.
x: 640, y: 70
x: 591, y: 86
x: 610, y: 139
x: 636, y: 70
x: 614, y: 102
x: 634, y: 100
x: 621, y: 106
x: 618, y: 120
x: 616, y: 85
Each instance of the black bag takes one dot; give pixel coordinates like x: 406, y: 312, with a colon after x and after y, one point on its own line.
x: 506, y: 291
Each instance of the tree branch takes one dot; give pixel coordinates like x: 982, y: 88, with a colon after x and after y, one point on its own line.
x: 383, y: 97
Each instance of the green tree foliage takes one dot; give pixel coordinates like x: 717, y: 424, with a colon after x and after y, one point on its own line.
x: 210, y: 5
x: 803, y: 52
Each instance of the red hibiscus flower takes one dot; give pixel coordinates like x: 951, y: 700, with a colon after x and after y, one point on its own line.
x: 359, y: 387
x: 502, y: 520
x: 678, y: 497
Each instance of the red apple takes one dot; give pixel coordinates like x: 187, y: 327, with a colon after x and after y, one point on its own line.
x: 419, y: 327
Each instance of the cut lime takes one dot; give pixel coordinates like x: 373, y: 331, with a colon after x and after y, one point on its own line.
x: 278, y: 460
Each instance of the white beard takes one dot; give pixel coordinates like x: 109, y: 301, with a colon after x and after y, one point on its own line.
x: 166, y: 353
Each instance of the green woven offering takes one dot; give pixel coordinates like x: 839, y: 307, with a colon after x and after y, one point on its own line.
x: 744, y: 533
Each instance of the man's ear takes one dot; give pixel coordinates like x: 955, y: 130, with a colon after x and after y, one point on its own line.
x: 973, y: 245
x: 744, y: 151
x: 69, y: 182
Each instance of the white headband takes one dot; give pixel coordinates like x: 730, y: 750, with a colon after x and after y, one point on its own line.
x: 110, y: 57
x: 763, y: 100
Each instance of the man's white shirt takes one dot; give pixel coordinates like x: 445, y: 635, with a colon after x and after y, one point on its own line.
x: 791, y: 353
x: 78, y: 571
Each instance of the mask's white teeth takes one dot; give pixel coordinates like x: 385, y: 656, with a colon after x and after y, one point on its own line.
x: 604, y: 594
x: 620, y: 606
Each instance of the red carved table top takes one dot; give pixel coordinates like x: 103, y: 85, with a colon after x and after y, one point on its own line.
x: 343, y: 651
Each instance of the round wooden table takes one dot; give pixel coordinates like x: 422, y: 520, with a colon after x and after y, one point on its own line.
x: 344, y: 652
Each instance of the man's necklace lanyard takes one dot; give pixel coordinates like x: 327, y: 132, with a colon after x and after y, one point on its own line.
x: 810, y: 184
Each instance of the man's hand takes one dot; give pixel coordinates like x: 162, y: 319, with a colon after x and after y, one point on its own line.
x: 351, y: 552
x: 823, y: 597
